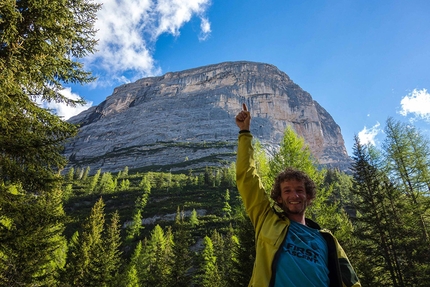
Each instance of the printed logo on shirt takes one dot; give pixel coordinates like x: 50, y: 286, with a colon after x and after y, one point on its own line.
x: 302, y: 253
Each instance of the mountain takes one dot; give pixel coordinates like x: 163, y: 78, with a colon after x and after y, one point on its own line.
x: 185, y: 120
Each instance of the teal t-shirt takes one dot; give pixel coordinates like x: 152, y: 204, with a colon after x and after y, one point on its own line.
x: 303, y: 258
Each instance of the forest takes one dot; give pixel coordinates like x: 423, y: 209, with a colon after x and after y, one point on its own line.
x: 82, y: 227
x: 88, y: 231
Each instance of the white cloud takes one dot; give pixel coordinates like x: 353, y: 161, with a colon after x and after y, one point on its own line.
x: 416, y: 103
x: 63, y: 110
x: 205, y: 28
x: 128, y: 31
x: 367, y: 136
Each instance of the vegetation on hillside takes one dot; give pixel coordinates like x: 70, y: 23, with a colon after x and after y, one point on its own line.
x: 84, y: 228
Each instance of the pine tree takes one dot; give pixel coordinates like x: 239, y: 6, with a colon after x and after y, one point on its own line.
x: 194, y: 221
x: 111, y: 254
x: 85, y: 174
x: 85, y: 264
x: 226, y: 210
x: 379, y: 225
x: 136, y: 267
x: 182, y: 257
x: 40, y: 47
x: 132, y: 279
x: 125, y: 172
x: 94, y: 181
x: 209, y: 273
x: 32, y: 247
x: 125, y: 184
x: 407, y: 155
x: 244, y: 253
x: 70, y: 175
x: 224, y: 251
x: 106, y: 184
x: 133, y: 230
x: 145, y: 184
x: 135, y: 226
x: 156, y: 263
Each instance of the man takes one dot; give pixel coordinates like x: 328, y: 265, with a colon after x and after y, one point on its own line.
x: 291, y: 250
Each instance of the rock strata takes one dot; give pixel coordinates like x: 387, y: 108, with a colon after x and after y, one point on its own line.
x: 185, y: 120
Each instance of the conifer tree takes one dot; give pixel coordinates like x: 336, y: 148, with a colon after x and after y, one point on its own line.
x: 32, y: 247
x: 94, y: 181
x: 125, y: 172
x: 135, y: 226
x: 194, y: 221
x: 145, y: 184
x: 226, y: 210
x: 132, y: 279
x: 407, y: 155
x: 70, y: 175
x: 244, y: 253
x: 84, y: 267
x: 39, y: 51
x: 125, y: 184
x: 78, y: 173
x: 136, y: 269
x: 381, y: 224
x: 224, y: 251
x: 182, y: 257
x: 106, y: 184
x: 156, y: 263
x: 85, y: 174
x: 209, y: 274
x: 133, y: 230
x: 111, y: 254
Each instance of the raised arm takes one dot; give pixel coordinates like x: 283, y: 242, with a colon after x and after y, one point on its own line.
x: 247, y: 180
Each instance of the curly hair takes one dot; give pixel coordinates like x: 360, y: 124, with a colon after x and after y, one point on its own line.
x: 291, y: 173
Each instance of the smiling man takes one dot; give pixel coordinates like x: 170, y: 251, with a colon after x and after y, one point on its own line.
x: 291, y: 250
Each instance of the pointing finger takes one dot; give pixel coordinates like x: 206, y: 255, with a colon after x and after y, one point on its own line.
x: 244, y: 107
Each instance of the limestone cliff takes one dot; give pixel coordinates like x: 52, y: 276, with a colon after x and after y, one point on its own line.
x: 185, y: 120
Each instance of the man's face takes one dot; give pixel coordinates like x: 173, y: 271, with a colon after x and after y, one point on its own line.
x: 293, y: 199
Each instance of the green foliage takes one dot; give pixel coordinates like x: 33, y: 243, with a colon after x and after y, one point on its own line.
x: 182, y: 257
x: 390, y: 235
x: 157, y: 258
x: 94, y: 256
x: 244, y: 252
x: 194, y: 221
x: 209, y: 273
x: 70, y: 175
x: 39, y: 50
x: 133, y: 229
x: 94, y: 181
x: 32, y: 247
x: 226, y: 210
x: 106, y: 184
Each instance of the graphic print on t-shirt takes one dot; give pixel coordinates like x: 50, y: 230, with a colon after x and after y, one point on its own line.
x: 303, y: 258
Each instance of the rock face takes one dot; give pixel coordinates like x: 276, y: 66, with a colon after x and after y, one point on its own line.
x: 185, y: 120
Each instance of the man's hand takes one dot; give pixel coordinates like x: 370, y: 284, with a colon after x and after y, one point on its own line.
x: 243, y: 119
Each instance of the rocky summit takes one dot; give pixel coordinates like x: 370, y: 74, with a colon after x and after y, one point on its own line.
x: 185, y: 120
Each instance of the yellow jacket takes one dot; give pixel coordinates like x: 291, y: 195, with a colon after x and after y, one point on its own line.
x: 271, y: 227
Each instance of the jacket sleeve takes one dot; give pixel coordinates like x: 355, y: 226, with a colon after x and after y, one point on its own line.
x: 248, y: 182
x: 349, y: 277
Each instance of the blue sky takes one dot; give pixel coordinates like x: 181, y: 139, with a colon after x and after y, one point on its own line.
x: 363, y: 61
